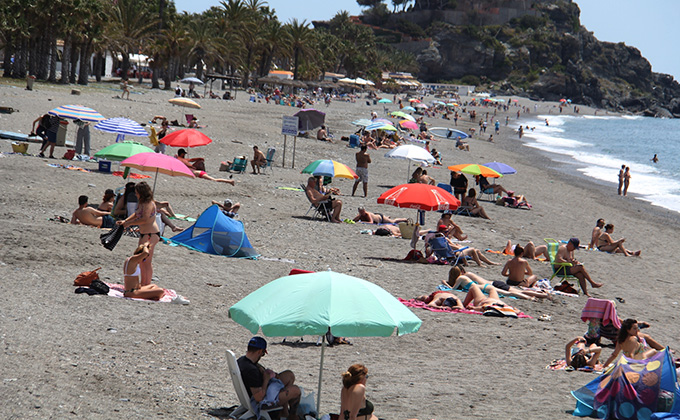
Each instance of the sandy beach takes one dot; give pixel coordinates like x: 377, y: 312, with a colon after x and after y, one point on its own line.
x: 67, y: 355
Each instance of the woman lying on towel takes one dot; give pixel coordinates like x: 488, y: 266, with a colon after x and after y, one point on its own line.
x: 460, y: 279
x: 441, y: 300
x: 578, y: 356
x: 132, y: 273
x: 633, y: 343
x: 476, y: 300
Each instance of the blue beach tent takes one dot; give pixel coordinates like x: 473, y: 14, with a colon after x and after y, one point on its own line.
x: 632, y: 390
x: 215, y: 233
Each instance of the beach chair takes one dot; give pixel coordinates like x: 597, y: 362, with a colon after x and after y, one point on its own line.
x: 463, y: 211
x: 559, y: 269
x: 244, y: 411
x: 189, y: 117
x: 269, y: 159
x: 442, y: 249
x: 445, y: 187
x: 319, y: 210
x: 239, y: 165
x: 490, y: 195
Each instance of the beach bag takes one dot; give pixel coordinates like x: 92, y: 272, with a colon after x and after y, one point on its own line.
x: 100, y: 287
x: 85, y: 278
x: 307, y: 403
x: 566, y: 287
x: 110, y: 239
x: 407, y: 228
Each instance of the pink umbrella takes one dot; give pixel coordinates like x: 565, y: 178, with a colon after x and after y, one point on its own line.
x: 408, y: 124
x: 157, y: 162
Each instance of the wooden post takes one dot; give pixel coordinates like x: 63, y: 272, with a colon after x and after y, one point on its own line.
x: 294, y: 143
x: 285, y: 137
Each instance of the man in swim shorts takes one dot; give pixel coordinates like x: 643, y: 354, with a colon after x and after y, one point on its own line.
x: 376, y: 218
x: 197, y: 166
x: 363, y: 159
x: 85, y: 215
x: 518, y: 271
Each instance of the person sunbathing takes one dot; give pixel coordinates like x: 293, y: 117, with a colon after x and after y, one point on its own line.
x: 518, y: 271
x: 530, y: 251
x: 476, y: 300
x: 197, y: 167
x: 476, y: 255
x: 577, y: 355
x: 607, y: 244
x: 87, y: 215
x: 473, y: 205
x: 487, y: 188
x: 461, y: 279
x: 132, y: 274
x: 597, y: 231
x: 515, y: 201
x: 633, y: 343
x: 107, y: 201
x: 441, y: 300
x: 376, y: 218
x: 565, y: 254
x: 452, y: 229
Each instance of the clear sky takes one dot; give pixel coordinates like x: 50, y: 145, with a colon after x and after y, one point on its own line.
x: 651, y: 26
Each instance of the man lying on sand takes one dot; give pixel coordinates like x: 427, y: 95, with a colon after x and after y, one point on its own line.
x: 86, y: 215
x: 197, y: 166
x: 376, y: 218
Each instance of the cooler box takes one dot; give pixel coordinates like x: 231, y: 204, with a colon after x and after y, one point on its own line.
x: 354, y: 140
x: 61, y: 133
x: 19, y: 147
x: 105, y: 166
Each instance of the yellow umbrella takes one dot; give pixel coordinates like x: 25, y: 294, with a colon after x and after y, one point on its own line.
x: 185, y: 102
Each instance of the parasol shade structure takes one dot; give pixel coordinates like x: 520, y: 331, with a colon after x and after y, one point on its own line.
x: 309, y: 119
x: 185, y: 102
x: 121, y: 151
x: 77, y: 112
x: 186, y: 138
x: 124, y: 126
x: 474, y: 169
x: 417, y: 196
x: 331, y: 168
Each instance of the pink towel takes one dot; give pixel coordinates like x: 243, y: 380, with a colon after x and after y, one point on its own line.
x: 601, y: 309
x: 422, y: 305
x: 116, y: 290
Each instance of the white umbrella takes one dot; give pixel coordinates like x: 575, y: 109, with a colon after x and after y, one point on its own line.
x: 411, y: 153
x: 192, y: 80
x: 122, y: 127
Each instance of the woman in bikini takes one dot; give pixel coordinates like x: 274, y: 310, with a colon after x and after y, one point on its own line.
x: 476, y: 300
x: 578, y: 356
x: 633, y: 343
x: 132, y: 273
x: 473, y: 205
x: 460, y: 279
x: 145, y: 218
x: 353, y: 402
x: 607, y: 244
x: 452, y: 229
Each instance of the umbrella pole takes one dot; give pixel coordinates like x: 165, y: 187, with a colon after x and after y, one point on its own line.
x: 318, y: 391
x: 154, y: 181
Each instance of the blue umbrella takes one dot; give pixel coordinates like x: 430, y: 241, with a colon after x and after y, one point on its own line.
x: 124, y: 126
x: 77, y: 112
x: 501, y: 168
x: 408, y: 108
x: 385, y: 101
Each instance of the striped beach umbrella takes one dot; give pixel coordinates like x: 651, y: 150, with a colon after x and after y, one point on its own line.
x: 331, y: 168
x: 380, y: 126
x: 123, y: 126
x: 77, y: 112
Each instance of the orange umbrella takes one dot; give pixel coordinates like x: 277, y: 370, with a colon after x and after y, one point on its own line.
x: 186, y: 138
x: 473, y: 169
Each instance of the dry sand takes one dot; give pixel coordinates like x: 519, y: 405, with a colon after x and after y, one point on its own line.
x: 74, y: 356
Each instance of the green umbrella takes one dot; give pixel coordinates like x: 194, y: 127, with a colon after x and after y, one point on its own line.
x: 122, y: 151
x: 315, y: 303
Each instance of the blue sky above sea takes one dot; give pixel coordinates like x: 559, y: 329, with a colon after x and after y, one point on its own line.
x: 650, y: 26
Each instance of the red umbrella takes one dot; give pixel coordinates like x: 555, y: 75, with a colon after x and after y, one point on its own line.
x: 186, y: 138
x: 420, y: 197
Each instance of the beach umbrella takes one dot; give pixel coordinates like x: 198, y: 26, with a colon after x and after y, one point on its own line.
x: 382, y: 120
x: 380, y: 126
x: 473, y: 169
x: 409, y: 108
x: 385, y: 101
x: 316, y: 303
x: 452, y: 104
x: 403, y: 115
x: 411, y: 153
x: 414, y: 100
x: 309, y: 119
x: 363, y: 122
x: 408, y: 124
x: 424, y: 197
x: 186, y: 138
x: 121, y: 151
x: 184, y: 102
x: 157, y: 162
x: 501, y: 168
x: 194, y: 80
x: 121, y: 126
x: 423, y: 106
x: 77, y: 112
x: 331, y: 168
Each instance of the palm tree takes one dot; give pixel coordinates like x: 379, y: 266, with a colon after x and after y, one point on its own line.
x: 300, y: 37
x: 130, y: 26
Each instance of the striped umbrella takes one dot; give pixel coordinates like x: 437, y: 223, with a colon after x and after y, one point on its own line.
x: 380, y: 126
x: 123, y: 126
x: 327, y: 167
x: 77, y: 112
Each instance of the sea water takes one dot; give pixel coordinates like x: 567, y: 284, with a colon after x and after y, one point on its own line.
x: 598, y: 145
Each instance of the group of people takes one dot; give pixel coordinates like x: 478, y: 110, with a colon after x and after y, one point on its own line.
x: 624, y: 179
x: 603, y: 241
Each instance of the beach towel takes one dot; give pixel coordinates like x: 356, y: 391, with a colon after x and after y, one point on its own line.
x: 601, y: 309
x: 500, y: 311
x: 116, y: 290
x: 412, y: 303
x: 69, y: 167
x: 130, y: 175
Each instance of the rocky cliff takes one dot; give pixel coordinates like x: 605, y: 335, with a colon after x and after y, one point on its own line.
x: 549, y: 56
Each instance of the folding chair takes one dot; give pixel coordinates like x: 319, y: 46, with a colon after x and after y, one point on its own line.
x: 488, y: 192
x: 269, y: 159
x: 445, y: 187
x: 559, y: 269
x: 244, y: 411
x: 319, y: 210
x: 189, y: 117
x: 239, y: 165
x: 442, y: 249
x: 463, y: 211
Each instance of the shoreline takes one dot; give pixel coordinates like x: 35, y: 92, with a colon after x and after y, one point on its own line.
x: 61, y: 349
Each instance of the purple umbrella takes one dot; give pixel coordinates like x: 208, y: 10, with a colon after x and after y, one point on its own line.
x: 501, y: 168
x: 309, y: 119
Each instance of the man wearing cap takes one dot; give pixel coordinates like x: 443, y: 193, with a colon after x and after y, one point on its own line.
x: 264, y: 385
x: 565, y: 254
x: 228, y: 208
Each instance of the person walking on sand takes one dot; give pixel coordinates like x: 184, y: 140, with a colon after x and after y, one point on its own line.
x: 626, y: 181
x: 126, y: 89
x: 363, y: 159
x: 621, y: 172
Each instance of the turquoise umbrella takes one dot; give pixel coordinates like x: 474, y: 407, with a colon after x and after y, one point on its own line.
x: 315, y: 303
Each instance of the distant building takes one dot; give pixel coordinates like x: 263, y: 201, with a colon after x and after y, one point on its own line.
x: 404, y: 80
x: 281, y: 74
